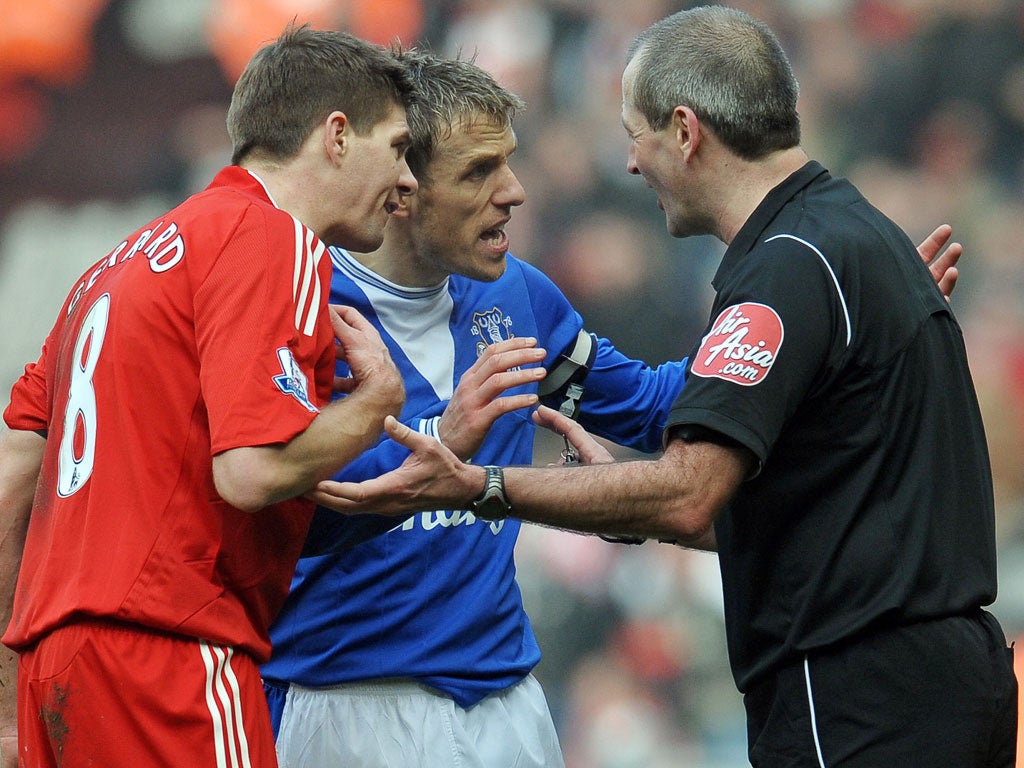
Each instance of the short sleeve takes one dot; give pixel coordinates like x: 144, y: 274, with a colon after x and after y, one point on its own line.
x: 778, y: 324
x: 29, y: 408
x: 264, y: 340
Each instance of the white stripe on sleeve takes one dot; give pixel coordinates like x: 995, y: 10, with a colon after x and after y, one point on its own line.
x: 835, y: 280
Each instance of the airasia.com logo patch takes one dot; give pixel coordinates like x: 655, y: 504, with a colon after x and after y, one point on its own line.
x: 741, y: 346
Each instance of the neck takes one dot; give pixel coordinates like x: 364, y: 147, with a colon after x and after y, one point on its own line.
x: 291, y: 186
x: 396, y: 259
x: 745, y: 183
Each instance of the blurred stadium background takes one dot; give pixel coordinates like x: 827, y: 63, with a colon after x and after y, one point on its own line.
x: 111, y: 111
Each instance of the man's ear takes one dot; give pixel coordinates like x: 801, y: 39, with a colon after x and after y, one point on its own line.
x: 336, y: 132
x: 688, y: 130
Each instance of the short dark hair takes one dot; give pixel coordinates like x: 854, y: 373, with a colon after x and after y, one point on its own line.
x: 294, y: 83
x: 449, y: 90
x: 729, y: 68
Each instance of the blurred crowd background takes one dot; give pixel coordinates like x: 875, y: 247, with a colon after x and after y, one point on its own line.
x: 111, y: 111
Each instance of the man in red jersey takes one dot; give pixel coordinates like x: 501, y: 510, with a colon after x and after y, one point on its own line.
x: 179, y: 407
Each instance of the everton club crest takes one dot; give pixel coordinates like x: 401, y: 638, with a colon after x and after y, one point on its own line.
x: 491, y: 326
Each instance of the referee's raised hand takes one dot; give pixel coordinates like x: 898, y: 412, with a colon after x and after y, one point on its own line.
x: 942, y: 265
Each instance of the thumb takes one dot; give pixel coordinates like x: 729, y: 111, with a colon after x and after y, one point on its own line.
x: 396, y: 430
x: 410, y: 438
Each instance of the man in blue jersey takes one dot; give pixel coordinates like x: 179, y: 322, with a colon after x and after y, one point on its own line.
x: 413, y: 648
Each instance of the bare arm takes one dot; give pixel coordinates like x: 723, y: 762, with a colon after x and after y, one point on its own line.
x: 251, y: 478
x: 21, y: 456
x: 675, y: 498
x: 590, y: 452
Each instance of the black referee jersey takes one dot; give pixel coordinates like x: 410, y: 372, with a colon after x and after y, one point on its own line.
x: 832, y: 355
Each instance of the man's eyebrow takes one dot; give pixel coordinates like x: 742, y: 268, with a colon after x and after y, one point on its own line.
x: 477, y: 156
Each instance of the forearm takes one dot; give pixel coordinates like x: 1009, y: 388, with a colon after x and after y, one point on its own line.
x: 21, y: 456
x: 627, y: 498
x: 626, y: 401
x: 675, y: 498
x: 251, y: 478
x: 705, y: 543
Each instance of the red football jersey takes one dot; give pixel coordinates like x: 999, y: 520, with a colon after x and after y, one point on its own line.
x: 205, y: 330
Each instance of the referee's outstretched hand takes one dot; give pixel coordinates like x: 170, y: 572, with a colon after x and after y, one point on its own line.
x: 431, y: 477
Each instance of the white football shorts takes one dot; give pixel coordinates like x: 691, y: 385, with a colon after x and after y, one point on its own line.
x: 403, y: 724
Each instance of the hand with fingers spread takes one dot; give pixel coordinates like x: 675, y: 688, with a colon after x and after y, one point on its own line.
x: 942, y: 266
x: 478, y: 402
x: 432, y: 477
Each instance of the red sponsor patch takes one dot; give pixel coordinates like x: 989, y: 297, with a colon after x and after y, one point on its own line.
x: 741, y: 346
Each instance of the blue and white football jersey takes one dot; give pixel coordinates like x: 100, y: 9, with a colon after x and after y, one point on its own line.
x: 435, y: 598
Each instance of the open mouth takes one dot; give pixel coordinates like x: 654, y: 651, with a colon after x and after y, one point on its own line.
x: 494, y: 236
x: 390, y: 207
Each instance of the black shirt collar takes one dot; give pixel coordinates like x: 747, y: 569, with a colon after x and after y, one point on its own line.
x: 765, y: 213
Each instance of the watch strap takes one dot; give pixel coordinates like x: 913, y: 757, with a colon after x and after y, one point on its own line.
x: 492, y: 503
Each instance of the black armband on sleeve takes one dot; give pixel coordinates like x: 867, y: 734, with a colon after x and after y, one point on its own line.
x: 562, y: 388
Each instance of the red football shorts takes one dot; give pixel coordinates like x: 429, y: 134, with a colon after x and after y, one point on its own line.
x: 98, y: 693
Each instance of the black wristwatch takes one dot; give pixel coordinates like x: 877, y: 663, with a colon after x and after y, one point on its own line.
x: 492, y: 503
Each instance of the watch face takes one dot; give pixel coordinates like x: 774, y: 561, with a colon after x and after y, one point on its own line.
x: 491, y: 508
x: 492, y: 503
